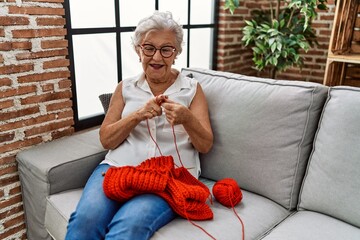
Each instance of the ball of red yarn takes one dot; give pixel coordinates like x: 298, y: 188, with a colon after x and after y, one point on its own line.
x: 227, y: 192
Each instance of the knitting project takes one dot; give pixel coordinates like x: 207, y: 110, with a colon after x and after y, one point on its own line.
x: 183, y: 192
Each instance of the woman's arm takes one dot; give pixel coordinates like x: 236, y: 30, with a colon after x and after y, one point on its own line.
x: 195, y: 120
x: 114, y: 129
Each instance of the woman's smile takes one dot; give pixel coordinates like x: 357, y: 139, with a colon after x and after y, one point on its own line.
x: 156, y: 66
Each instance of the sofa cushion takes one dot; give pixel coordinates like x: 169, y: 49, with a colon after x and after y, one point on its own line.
x: 59, y: 207
x: 225, y: 225
x: 263, y: 131
x: 313, y: 226
x: 50, y: 162
x: 332, y: 181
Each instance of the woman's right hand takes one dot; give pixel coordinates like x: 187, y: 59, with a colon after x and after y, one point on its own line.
x: 152, y: 108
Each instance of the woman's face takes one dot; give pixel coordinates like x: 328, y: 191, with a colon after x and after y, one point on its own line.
x: 158, y: 68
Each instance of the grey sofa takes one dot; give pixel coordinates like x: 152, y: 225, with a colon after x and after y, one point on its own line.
x: 293, y: 147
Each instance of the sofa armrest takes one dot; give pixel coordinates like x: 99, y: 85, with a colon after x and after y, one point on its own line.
x: 53, y: 167
x: 64, y: 163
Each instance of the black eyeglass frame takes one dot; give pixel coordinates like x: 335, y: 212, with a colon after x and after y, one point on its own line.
x: 161, y: 53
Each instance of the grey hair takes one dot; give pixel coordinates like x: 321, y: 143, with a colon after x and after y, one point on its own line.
x: 158, y: 21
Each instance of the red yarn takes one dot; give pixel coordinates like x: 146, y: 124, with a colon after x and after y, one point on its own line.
x: 184, y: 193
x: 228, y: 193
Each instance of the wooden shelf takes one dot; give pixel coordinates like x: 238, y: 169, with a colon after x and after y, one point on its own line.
x: 344, y: 44
x: 347, y: 58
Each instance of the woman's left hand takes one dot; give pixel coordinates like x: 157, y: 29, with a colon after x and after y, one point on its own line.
x: 175, y: 113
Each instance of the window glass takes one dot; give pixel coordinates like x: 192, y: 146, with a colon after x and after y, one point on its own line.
x: 92, y: 13
x: 179, y: 9
x: 95, y: 70
x: 202, y: 12
x: 131, y: 65
x: 128, y: 8
x: 200, y: 47
x: 180, y: 60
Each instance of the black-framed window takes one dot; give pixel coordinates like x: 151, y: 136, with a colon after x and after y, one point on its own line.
x: 100, y: 51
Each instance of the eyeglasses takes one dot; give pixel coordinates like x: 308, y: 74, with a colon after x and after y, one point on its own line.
x: 150, y: 50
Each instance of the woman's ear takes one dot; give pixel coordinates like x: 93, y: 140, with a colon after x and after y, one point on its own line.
x: 137, y: 50
x: 138, y: 53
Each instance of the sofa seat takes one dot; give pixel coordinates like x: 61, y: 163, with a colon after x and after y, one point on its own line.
x: 58, y: 210
x: 313, y: 226
x: 225, y: 224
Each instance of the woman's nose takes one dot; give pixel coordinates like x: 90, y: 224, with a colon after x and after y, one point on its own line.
x: 157, y: 55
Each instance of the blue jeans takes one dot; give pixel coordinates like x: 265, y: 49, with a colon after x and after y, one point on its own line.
x: 98, y: 217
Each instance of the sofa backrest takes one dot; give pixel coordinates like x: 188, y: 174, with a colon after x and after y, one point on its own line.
x: 263, y: 131
x: 332, y: 180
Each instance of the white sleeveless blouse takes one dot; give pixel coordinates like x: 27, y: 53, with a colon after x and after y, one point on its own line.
x: 139, y: 146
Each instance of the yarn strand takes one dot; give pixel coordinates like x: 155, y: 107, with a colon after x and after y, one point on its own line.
x: 176, y: 147
x: 198, y: 226
x: 237, y: 215
x: 152, y: 138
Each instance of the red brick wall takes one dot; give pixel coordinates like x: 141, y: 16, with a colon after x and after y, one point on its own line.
x: 35, y: 92
x: 233, y: 57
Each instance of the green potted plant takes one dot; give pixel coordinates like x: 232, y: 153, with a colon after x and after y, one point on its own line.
x: 278, y: 35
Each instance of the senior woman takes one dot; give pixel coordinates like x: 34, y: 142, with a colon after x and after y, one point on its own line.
x: 143, y: 113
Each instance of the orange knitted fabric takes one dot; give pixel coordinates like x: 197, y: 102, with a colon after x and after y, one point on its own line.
x: 184, y: 193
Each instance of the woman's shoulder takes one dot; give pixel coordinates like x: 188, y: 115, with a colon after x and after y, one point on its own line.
x: 130, y: 79
x: 188, y: 79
